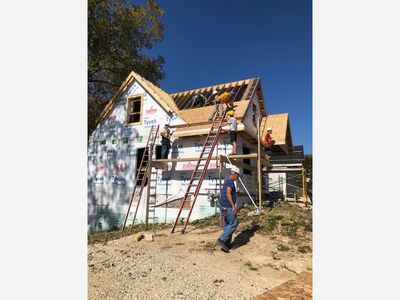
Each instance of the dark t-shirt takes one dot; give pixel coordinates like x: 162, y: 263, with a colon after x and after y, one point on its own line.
x: 224, y: 199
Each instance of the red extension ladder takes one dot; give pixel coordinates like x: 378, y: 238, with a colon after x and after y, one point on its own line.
x: 200, y: 170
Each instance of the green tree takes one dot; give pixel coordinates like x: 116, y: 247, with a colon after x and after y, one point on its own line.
x: 118, y: 33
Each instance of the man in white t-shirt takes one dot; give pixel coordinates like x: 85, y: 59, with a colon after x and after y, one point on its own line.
x: 232, y: 131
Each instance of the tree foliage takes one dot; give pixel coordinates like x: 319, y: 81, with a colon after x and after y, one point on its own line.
x: 118, y: 34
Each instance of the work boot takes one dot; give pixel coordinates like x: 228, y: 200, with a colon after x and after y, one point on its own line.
x: 222, y: 245
x: 232, y: 246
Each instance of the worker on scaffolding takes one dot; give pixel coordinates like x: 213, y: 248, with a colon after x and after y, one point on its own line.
x: 228, y: 210
x: 165, y: 141
x: 232, y: 131
x: 219, y: 101
x: 268, y: 142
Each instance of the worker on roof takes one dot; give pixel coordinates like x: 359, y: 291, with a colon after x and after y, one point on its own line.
x: 165, y: 141
x: 198, y: 100
x: 268, y: 142
x: 218, y: 106
x: 228, y: 210
x: 219, y: 100
x: 228, y: 98
x: 232, y: 131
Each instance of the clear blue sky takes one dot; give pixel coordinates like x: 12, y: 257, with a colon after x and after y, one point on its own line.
x: 210, y: 42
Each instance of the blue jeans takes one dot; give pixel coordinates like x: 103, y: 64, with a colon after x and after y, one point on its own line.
x: 230, y: 225
x: 165, y: 147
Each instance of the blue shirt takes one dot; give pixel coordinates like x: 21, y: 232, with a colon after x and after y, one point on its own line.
x: 224, y: 199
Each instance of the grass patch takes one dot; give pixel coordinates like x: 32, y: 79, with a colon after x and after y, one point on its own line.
x: 250, y: 266
x: 282, y: 247
x: 273, y: 222
x: 272, y: 266
x: 285, y: 218
x: 211, y: 221
x: 290, y: 230
x: 290, y: 270
x: 304, y: 249
x: 308, y: 227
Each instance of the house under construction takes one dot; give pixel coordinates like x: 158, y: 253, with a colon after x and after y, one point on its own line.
x: 127, y: 179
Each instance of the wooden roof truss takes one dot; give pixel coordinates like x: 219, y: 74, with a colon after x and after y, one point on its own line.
x: 186, y: 100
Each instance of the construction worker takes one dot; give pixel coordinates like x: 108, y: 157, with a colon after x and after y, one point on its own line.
x: 228, y: 210
x: 267, y: 141
x: 165, y: 141
x: 226, y: 98
x: 232, y: 131
x: 198, y: 100
x: 218, y: 106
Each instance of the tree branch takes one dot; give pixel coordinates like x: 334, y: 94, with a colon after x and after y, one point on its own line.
x: 101, y: 81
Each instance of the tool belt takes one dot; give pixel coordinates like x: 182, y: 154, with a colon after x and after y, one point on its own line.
x: 165, y: 140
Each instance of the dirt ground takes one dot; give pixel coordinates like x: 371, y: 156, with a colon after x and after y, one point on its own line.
x: 190, y: 266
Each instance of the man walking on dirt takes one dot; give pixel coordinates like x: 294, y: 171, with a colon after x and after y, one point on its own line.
x: 227, y: 206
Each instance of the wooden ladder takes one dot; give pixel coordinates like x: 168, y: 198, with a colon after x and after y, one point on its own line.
x: 142, y: 172
x: 153, y: 195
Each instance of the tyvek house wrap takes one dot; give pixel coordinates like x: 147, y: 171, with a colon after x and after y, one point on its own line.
x: 112, y: 165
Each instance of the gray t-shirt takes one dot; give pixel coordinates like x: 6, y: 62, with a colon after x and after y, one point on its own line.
x: 233, y: 124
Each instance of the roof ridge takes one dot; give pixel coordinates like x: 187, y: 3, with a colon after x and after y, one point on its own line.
x: 211, y: 86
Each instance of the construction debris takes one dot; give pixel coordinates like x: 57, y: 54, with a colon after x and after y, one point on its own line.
x: 137, y: 237
x: 148, y: 237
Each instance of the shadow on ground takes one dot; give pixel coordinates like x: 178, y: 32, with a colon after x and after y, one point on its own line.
x: 244, y: 237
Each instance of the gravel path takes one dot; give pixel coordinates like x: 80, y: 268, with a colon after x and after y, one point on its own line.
x: 189, y: 266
